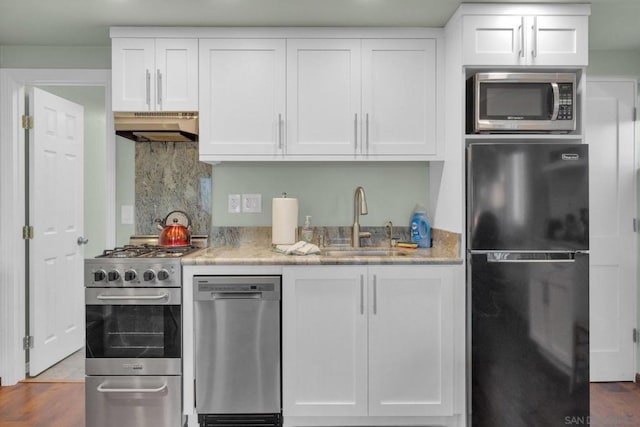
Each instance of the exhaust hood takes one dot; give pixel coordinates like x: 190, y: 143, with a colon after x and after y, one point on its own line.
x: 160, y: 126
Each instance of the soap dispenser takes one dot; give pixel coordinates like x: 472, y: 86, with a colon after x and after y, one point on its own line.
x: 307, y: 230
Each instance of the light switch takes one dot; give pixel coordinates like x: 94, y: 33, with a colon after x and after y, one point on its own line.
x: 126, y: 214
x: 252, y: 203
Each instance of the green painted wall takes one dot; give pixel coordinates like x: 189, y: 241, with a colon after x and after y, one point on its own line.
x: 614, y: 63
x: 125, y: 186
x: 323, y: 190
x: 55, y: 57
x: 95, y: 167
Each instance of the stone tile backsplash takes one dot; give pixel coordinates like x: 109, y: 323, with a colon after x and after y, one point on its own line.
x: 170, y: 177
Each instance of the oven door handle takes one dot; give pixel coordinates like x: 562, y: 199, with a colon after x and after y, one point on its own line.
x: 102, y: 389
x: 132, y: 297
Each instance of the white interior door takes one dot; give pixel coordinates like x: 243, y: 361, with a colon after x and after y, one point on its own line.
x: 613, y: 246
x: 56, y: 255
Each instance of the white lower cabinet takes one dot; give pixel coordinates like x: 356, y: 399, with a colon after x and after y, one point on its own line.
x: 368, y: 341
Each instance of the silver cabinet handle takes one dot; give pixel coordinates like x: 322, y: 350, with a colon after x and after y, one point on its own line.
x: 361, y: 294
x: 355, y: 133
x: 102, y: 389
x: 521, y: 53
x: 534, y: 51
x: 82, y: 241
x: 375, y: 294
x: 367, y: 131
x: 132, y: 297
x: 280, y: 131
x: 148, y: 87
x: 159, y: 88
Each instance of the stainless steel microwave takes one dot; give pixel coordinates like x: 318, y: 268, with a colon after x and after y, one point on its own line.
x: 509, y: 102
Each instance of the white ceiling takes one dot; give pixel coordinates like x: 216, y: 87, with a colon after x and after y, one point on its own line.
x: 613, y: 24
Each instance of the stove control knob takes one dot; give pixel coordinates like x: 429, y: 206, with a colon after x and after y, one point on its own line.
x: 130, y: 275
x: 149, y: 275
x: 99, y: 276
x: 163, y: 274
x: 113, y: 276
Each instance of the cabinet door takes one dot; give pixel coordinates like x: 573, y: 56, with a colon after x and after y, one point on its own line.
x: 133, y: 69
x: 324, y: 341
x: 176, y: 75
x: 411, y: 341
x: 399, y: 97
x: 242, y: 96
x: 323, y: 96
x: 494, y: 40
x: 558, y: 40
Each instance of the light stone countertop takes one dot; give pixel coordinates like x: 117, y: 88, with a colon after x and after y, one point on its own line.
x: 264, y: 255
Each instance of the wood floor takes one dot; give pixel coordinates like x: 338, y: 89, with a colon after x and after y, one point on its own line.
x: 32, y: 404
x: 42, y: 405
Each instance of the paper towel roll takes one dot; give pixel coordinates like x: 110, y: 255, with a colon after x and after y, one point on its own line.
x: 284, y: 221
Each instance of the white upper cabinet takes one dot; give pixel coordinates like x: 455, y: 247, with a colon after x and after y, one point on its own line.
x: 132, y: 62
x: 323, y: 96
x: 399, y: 97
x: 363, y: 98
x: 242, y: 97
x: 154, y: 74
x: 543, y: 40
x: 177, y: 74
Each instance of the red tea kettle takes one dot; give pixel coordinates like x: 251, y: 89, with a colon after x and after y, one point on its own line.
x: 175, y: 229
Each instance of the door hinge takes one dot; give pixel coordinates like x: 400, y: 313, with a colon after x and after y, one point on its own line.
x: 27, y: 232
x: 635, y: 335
x: 27, y: 122
x: 635, y: 225
x: 27, y: 342
x: 635, y: 113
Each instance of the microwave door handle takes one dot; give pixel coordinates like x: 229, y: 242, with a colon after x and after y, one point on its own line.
x: 556, y: 101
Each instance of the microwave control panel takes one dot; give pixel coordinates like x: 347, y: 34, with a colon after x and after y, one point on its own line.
x: 565, y: 109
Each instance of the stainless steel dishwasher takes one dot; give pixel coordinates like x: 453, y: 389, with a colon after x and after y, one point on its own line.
x: 237, y: 340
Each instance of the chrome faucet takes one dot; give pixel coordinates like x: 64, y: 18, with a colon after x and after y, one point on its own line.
x: 359, y: 208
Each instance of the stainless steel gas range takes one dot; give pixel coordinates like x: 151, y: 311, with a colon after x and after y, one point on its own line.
x: 133, y: 298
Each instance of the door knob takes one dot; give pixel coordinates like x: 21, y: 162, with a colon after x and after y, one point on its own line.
x: 82, y: 241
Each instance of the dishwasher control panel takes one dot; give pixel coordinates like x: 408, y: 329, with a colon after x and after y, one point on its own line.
x: 236, y: 287
x: 212, y: 287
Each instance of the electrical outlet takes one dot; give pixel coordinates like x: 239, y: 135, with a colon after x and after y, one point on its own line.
x: 234, y: 203
x: 252, y: 203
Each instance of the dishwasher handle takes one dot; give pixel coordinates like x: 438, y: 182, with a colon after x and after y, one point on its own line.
x: 236, y: 295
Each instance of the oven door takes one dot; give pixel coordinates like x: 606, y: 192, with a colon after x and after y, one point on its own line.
x: 133, y: 331
x: 133, y: 401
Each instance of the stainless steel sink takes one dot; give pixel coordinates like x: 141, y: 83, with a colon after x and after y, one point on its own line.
x: 383, y: 252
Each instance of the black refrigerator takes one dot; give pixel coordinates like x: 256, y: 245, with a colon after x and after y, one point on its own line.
x: 528, y: 284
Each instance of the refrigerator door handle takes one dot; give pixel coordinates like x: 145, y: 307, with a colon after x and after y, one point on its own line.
x: 530, y: 257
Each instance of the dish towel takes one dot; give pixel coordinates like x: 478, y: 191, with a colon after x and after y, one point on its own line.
x: 299, y: 248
